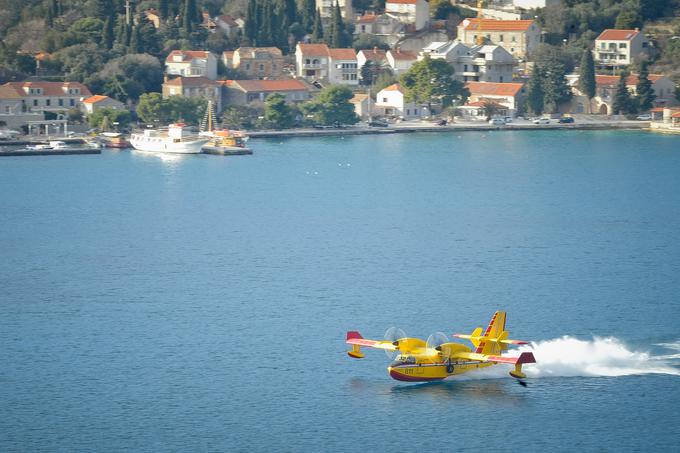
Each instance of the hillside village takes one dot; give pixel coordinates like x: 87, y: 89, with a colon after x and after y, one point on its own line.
x: 282, y: 64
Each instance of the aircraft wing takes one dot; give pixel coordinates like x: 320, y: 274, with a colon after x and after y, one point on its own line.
x: 356, y: 339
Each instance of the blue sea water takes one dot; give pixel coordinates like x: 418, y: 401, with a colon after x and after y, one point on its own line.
x: 200, y: 303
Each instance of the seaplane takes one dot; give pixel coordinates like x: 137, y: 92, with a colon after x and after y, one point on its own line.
x: 416, y: 360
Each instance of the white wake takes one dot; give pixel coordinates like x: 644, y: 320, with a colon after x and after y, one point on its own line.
x: 568, y: 356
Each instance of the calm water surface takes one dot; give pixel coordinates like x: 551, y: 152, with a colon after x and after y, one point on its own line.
x: 201, y: 303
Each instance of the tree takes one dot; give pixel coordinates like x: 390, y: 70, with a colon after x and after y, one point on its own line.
x: 332, y: 106
x: 111, y: 116
x: 555, y: 88
x: 535, y: 92
x: 189, y: 16
x: 240, y: 117
x: 307, y: 14
x: 107, y: 33
x: 151, y: 109
x: 317, y: 29
x: 129, y: 76
x: 250, y: 25
x: 622, y: 99
x: 645, y: 92
x: 628, y: 19
x: 491, y: 108
x: 586, y: 79
x: 277, y: 112
x: 163, y: 9
x: 429, y: 80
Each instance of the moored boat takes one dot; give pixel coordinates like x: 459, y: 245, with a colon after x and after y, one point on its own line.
x: 174, y: 139
x: 114, y: 140
x: 222, y: 142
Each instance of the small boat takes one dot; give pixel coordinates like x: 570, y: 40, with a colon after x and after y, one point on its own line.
x: 114, y: 140
x: 222, y: 142
x: 174, y: 139
x: 53, y: 144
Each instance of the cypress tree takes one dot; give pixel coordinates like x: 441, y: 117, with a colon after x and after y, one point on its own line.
x: 317, y: 30
x: 163, y: 9
x: 49, y: 18
x: 250, y: 26
x: 107, y: 33
x: 189, y: 16
x: 54, y: 8
x: 290, y: 11
x: 335, y: 39
x: 136, y: 44
x: 586, y: 79
x: 645, y: 92
x: 307, y: 15
x: 622, y: 100
x: 535, y: 94
x: 281, y: 25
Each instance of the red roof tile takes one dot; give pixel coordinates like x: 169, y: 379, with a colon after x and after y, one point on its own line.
x: 403, y: 54
x: 374, y: 54
x: 342, y: 54
x: 631, y: 80
x: 314, y: 49
x: 94, y: 99
x: 394, y: 87
x: 48, y: 88
x: 190, y: 81
x: 496, y: 25
x: 187, y: 54
x: 617, y: 35
x: 367, y: 19
x: 491, y: 88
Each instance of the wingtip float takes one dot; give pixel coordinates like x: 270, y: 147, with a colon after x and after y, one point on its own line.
x: 436, y: 359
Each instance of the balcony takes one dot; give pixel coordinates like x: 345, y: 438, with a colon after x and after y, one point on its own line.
x: 312, y: 66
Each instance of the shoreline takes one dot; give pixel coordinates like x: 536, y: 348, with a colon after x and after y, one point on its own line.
x: 456, y: 127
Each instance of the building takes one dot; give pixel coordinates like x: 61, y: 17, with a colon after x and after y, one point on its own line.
x: 316, y: 62
x: 38, y: 97
x: 377, y: 56
x: 390, y: 102
x: 400, y: 60
x: 325, y: 8
x: 96, y: 102
x: 605, y: 91
x: 531, y: 4
x: 256, y: 62
x: 379, y: 25
x: 413, y: 13
x: 361, y: 104
x: 191, y: 63
x: 228, y: 24
x: 519, y: 37
x: 343, y: 69
x: 614, y: 48
x: 476, y: 63
x: 243, y: 92
x: 506, y: 97
x: 201, y: 87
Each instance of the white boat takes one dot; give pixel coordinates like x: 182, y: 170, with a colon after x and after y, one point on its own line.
x: 173, y: 140
x: 54, y: 144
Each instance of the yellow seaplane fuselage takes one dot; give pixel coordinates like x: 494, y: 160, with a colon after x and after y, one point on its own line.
x: 419, y: 362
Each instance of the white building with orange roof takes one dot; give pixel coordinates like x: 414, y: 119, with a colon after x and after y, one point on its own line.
x: 377, y: 56
x: 401, y: 60
x: 507, y: 97
x: 391, y: 102
x: 96, y: 102
x: 519, y: 37
x: 191, y: 63
x: 40, y: 96
x: 317, y: 62
x: 415, y: 13
x: 343, y: 68
x: 615, y: 48
x: 256, y: 62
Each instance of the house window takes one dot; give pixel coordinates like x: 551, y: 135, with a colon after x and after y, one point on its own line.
x: 385, y: 100
x: 261, y: 67
x: 61, y: 102
x: 474, y: 38
x: 71, y: 102
x: 622, y: 57
x: 408, y: 112
x: 7, y: 109
x: 48, y: 102
x: 623, y: 45
x: 247, y: 66
x: 513, y: 38
x: 35, y: 102
x: 500, y: 38
x: 307, y: 61
x: 500, y: 79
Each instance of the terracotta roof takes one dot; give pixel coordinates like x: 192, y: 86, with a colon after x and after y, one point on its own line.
x: 675, y: 115
x: 358, y: 97
x: 367, y: 19
x: 244, y: 51
x: 228, y: 53
x: 94, y: 99
x: 342, y: 54
x: 268, y: 85
x: 491, y: 88
x: 374, y: 54
x: 403, y: 54
x: 314, y: 49
x: 48, y: 88
x: 228, y: 20
x: 393, y: 87
x: 617, y: 35
x: 631, y: 80
x: 496, y: 25
x: 402, y: 2
x: 8, y: 91
x: 190, y: 81
x: 187, y: 54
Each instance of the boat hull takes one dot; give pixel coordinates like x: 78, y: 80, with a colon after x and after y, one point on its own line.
x: 157, y: 145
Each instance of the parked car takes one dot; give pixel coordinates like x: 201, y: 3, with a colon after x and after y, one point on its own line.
x: 441, y: 122
x: 645, y: 117
x: 507, y: 119
x: 566, y: 120
x: 496, y: 121
x: 542, y: 121
x: 377, y: 123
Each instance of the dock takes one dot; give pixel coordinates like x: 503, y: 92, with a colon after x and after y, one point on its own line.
x: 49, y: 152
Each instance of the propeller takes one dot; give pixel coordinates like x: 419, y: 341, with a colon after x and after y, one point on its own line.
x: 393, y: 335
x: 434, y: 342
